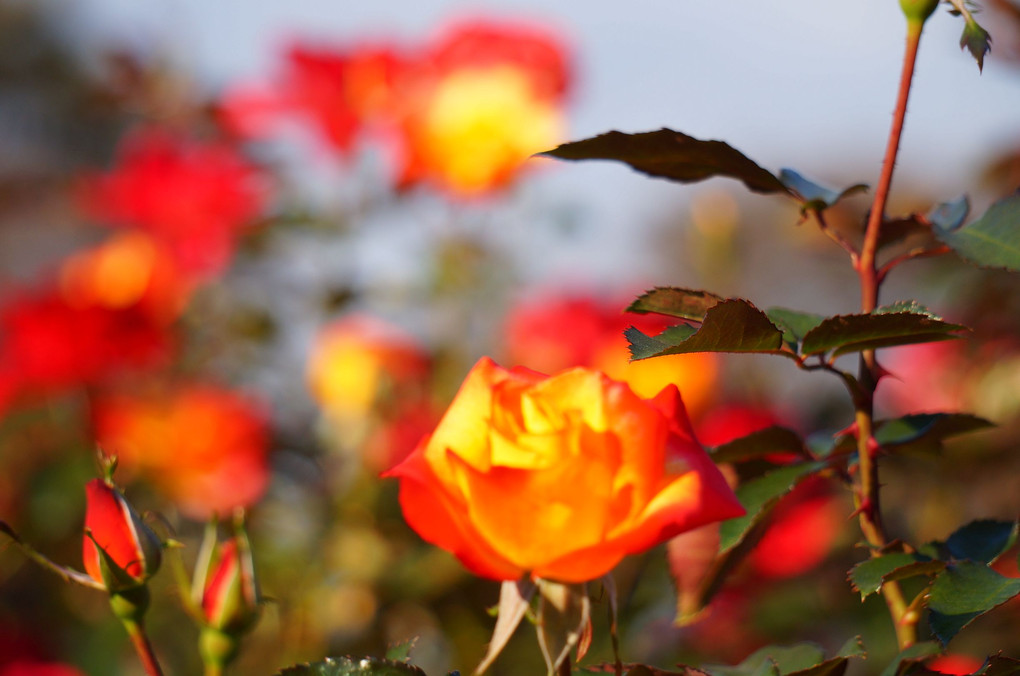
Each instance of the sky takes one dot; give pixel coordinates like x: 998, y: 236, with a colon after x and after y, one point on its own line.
x: 807, y: 84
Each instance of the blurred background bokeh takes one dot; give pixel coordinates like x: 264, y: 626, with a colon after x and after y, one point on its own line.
x: 252, y: 248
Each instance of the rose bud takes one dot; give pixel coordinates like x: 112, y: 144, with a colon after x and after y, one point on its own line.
x: 230, y: 596
x: 226, y: 594
x: 118, y: 549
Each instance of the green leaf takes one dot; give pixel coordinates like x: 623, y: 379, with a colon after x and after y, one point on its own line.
x: 992, y: 241
x: 758, y: 496
x: 688, y: 304
x: 964, y: 591
x: 925, y: 431
x: 794, y: 325
x: 867, y: 576
x: 915, y: 653
x: 672, y: 155
x: 401, y: 652
x: 982, y: 541
x: 348, y: 666
x: 729, y: 326
x: 977, y: 41
x: 777, y: 660
x: 813, y: 196
x: 885, y: 327
x: 774, y: 439
x: 835, y: 666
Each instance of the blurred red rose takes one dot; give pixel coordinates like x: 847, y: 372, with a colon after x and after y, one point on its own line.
x: 398, y: 434
x: 955, y: 664
x: 48, y: 345
x: 193, y: 197
x: 204, y: 447
x: 340, y: 91
x: 554, y: 333
x: 30, y: 668
x: 488, y: 95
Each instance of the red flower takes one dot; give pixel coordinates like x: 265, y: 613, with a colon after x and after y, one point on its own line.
x: 192, y: 197
x: 48, y: 345
x: 229, y: 591
x: 341, y: 92
x: 132, y: 550
x: 202, y: 446
x: 31, y: 668
x: 486, y: 98
x: 955, y: 664
x: 554, y: 333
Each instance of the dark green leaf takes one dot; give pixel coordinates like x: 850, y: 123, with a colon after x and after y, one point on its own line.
x: 976, y: 40
x: 758, y: 496
x: 774, y: 439
x: 885, y: 327
x: 867, y: 577
x: 675, y: 302
x: 672, y: 155
x: 925, y: 431
x: 982, y: 541
x: 347, y: 666
x: 730, y: 326
x: 794, y: 325
x: 992, y: 241
x: 964, y: 591
x: 813, y: 196
x: 915, y: 653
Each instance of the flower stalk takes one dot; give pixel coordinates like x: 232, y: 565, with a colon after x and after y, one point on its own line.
x: 866, y: 493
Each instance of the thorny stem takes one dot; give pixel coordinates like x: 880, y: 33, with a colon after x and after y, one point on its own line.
x: 867, y: 491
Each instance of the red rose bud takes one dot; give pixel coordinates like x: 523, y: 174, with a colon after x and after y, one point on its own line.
x: 226, y: 593
x: 230, y: 597
x: 225, y: 588
x: 118, y: 549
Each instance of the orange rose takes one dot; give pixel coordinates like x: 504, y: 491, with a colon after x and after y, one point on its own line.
x: 558, y: 476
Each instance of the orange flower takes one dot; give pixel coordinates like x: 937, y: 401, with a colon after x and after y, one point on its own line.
x: 203, y: 447
x: 487, y: 98
x: 558, y: 476
x: 356, y: 359
x: 552, y: 334
x: 130, y: 269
